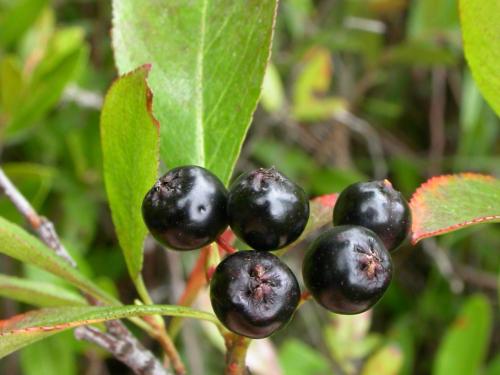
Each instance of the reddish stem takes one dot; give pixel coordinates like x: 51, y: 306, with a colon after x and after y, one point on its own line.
x: 196, y: 281
x: 304, y: 297
x: 236, y: 354
x: 221, y: 241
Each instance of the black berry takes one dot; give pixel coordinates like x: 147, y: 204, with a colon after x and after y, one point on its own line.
x: 186, y: 208
x: 266, y: 209
x: 347, y: 269
x: 254, y: 293
x: 377, y: 206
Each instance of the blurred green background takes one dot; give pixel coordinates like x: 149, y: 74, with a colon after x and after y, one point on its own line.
x: 405, y: 108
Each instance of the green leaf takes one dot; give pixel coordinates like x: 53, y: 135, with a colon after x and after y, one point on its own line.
x: 297, y: 358
x: 493, y: 366
x: 209, y: 59
x: 386, y: 361
x: 465, y: 344
x: 38, y: 293
x: 55, y: 355
x: 309, y: 94
x: 479, y: 126
x: 18, y: 18
x: 130, y: 147
x: 63, y: 56
x: 18, y: 244
x: 11, y: 83
x: 447, y: 203
x: 481, y: 40
x: 24, y: 329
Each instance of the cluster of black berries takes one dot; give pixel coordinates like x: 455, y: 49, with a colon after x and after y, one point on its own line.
x: 253, y: 293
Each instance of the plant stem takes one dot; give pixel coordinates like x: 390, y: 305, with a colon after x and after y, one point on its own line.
x: 225, y: 246
x: 168, y: 346
x: 43, y: 227
x: 196, y: 281
x: 304, y: 297
x: 125, y: 347
x: 237, y: 347
x: 160, y: 332
x: 118, y: 338
x: 143, y: 291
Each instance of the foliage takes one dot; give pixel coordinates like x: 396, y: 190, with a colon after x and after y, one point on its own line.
x: 207, y: 72
x: 354, y: 88
x: 481, y: 46
x: 129, y: 137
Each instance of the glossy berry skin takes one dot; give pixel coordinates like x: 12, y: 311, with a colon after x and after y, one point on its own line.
x: 186, y: 208
x: 254, y: 293
x: 377, y: 206
x: 347, y: 269
x: 266, y: 209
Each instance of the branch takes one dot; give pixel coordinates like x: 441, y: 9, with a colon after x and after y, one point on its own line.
x: 118, y: 340
x: 124, y: 347
x: 43, y: 227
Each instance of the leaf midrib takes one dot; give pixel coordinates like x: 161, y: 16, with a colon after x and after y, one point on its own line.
x: 200, y: 131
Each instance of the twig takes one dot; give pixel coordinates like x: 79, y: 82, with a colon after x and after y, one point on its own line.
x: 118, y: 340
x: 168, y: 346
x: 124, y: 347
x: 43, y: 227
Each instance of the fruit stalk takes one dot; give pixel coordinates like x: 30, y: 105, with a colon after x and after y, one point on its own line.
x: 195, y: 282
x: 168, y: 346
x: 237, y: 347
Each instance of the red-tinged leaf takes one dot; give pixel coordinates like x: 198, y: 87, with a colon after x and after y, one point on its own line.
x: 130, y: 149
x: 321, y: 214
x: 447, y: 203
x: 24, y: 329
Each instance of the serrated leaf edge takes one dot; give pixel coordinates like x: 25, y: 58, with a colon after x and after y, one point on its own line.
x: 416, y: 202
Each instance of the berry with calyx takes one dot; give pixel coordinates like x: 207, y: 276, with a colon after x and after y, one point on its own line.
x: 347, y: 269
x: 254, y: 293
x: 267, y: 210
x: 186, y: 208
x: 377, y: 206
